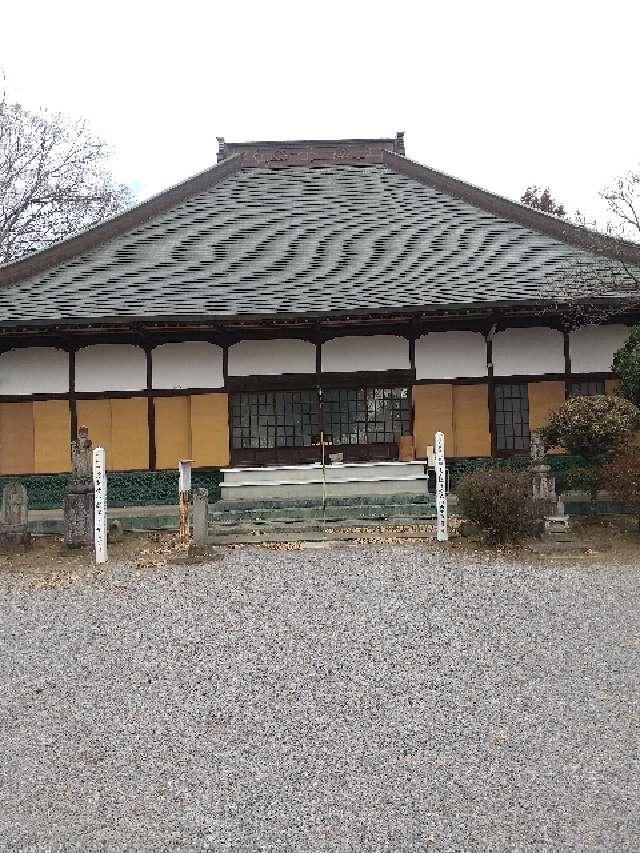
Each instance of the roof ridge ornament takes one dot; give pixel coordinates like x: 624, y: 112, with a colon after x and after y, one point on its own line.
x: 311, y: 152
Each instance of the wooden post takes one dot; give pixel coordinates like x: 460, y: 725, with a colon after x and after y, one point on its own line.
x: 442, y: 530
x: 184, y: 487
x: 100, y: 504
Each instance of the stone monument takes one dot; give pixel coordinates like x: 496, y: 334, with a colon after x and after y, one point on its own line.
x: 14, y: 536
x: 543, y: 485
x: 200, y: 515
x: 79, y: 500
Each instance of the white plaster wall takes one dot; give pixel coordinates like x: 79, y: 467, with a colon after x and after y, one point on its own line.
x: 528, y: 352
x: 449, y: 355
x: 187, y: 364
x: 372, y: 352
x: 34, y: 370
x: 111, y: 367
x: 591, y: 348
x: 268, y: 358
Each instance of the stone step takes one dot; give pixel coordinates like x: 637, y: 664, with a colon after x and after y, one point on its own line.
x: 291, y: 514
x: 278, y: 537
x: 333, y: 501
x: 286, y: 528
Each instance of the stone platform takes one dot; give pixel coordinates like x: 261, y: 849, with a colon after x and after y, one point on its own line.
x: 400, y: 508
x: 343, y: 480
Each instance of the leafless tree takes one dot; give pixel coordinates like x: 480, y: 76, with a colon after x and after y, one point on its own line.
x: 623, y: 200
x: 54, y: 180
x: 594, y: 288
x: 623, y: 225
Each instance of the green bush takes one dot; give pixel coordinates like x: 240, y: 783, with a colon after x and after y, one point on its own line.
x: 500, y: 503
x: 594, y: 427
x: 626, y: 366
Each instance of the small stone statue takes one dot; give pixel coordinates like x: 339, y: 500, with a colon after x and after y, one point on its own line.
x: 82, y: 462
x: 79, y: 500
x: 14, y: 506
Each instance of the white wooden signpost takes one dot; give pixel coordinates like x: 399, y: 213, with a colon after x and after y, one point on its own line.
x: 442, y: 529
x: 184, y: 487
x: 100, y: 510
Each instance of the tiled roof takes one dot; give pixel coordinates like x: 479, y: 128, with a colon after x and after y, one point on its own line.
x: 297, y: 240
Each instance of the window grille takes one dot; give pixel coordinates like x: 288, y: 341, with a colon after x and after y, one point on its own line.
x: 274, y: 419
x: 586, y: 389
x: 366, y: 415
x: 512, y: 417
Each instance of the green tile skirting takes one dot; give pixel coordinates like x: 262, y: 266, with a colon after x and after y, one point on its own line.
x: 157, y: 488
x: 561, y: 465
x: 134, y: 488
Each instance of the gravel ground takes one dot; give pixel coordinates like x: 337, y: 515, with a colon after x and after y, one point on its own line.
x: 367, y: 699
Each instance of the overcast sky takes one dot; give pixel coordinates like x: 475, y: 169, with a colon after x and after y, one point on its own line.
x: 502, y: 94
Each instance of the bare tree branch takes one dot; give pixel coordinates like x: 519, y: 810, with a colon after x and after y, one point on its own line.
x: 593, y: 289
x: 54, y: 180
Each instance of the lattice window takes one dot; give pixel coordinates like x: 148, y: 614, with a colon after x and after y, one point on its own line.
x: 366, y: 415
x: 512, y: 417
x: 586, y: 389
x: 275, y: 419
x: 292, y: 418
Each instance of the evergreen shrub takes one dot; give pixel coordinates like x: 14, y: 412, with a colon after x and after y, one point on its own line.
x: 594, y: 427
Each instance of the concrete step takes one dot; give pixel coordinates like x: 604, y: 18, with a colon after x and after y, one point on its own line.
x: 315, y: 489
x: 366, y: 513
x: 345, y: 471
x: 272, y: 537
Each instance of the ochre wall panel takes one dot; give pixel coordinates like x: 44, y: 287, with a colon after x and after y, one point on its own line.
x: 16, y: 438
x: 210, y: 430
x: 610, y: 385
x: 432, y: 412
x: 471, y: 420
x: 52, y: 436
x: 173, y: 431
x: 129, y: 434
x: 544, y: 398
x: 96, y: 416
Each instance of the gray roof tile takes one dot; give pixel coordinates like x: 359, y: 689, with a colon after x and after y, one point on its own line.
x: 297, y: 240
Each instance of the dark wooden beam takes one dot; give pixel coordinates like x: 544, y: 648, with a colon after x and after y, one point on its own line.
x: 73, y: 411
x: 151, y: 410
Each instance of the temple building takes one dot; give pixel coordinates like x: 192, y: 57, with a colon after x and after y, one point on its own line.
x: 294, y: 288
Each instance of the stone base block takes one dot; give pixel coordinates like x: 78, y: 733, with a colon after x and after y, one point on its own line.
x: 556, y: 523
x: 15, y: 541
x: 557, y: 529
x: 79, y: 520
